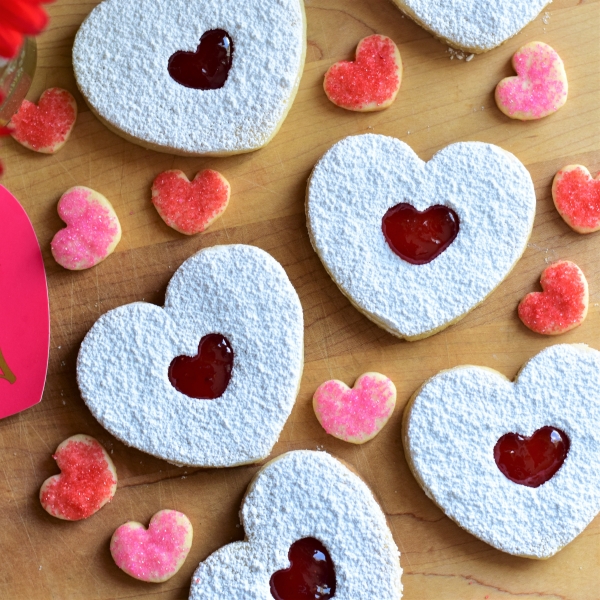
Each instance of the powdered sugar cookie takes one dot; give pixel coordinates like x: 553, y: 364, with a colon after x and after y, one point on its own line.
x: 313, y: 530
x: 563, y: 304
x: 92, y: 233
x: 209, y: 77
x: 45, y: 127
x: 472, y: 26
x: 154, y: 554
x: 210, y: 379
x: 540, y: 87
x: 576, y: 196
x: 190, y: 207
x: 511, y: 462
x: 416, y: 245
x: 88, y: 480
x: 370, y: 82
x: 355, y: 415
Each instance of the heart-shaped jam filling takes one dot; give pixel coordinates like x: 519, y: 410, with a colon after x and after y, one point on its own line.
x: 208, y: 67
x: 532, y: 461
x: 206, y: 375
x: 419, y: 237
x: 310, y: 576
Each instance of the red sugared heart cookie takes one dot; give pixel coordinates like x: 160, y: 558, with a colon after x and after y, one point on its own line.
x: 576, y: 196
x: 370, y: 82
x: 540, y: 87
x: 45, y: 127
x: 355, y: 415
x: 562, y: 305
x: 154, y: 554
x: 190, y: 207
x: 88, y: 480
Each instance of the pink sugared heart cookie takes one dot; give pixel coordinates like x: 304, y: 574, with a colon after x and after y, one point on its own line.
x: 576, y: 196
x: 45, y: 127
x: 370, y: 82
x: 88, y: 480
x: 562, y: 305
x: 92, y: 232
x: 154, y: 554
x: 540, y: 87
x: 355, y: 415
x: 190, y: 207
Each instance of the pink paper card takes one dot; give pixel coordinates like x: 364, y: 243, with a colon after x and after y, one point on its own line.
x: 24, y: 311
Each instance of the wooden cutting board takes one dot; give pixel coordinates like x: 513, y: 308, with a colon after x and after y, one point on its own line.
x: 441, y: 101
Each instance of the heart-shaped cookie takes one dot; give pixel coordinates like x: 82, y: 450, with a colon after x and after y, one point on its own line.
x: 139, y: 66
x: 355, y: 415
x: 540, y: 87
x: 370, y: 82
x: 361, y: 178
x: 307, y: 499
x: 24, y: 310
x: 472, y: 26
x: 88, y: 480
x: 190, y: 207
x: 154, y: 554
x: 238, y: 292
x: 92, y: 233
x: 562, y: 306
x: 45, y: 127
x: 576, y: 195
x: 454, y: 432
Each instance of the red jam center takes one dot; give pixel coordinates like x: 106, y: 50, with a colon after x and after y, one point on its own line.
x: 534, y: 460
x: 206, y: 375
x: 419, y: 237
x: 208, y: 67
x: 311, y: 575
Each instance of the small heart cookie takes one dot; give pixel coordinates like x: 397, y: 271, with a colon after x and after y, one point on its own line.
x: 576, y: 196
x: 470, y: 436
x: 46, y: 127
x: 540, y: 87
x: 92, y: 232
x: 190, y: 207
x: 355, y: 415
x: 371, y: 82
x: 154, y: 554
x: 313, y: 531
x: 88, y: 480
x: 563, y: 304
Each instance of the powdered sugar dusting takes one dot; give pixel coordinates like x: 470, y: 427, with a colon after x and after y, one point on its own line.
x: 121, y: 54
x: 477, y: 26
x: 360, y: 178
x: 460, y: 414
x: 122, y: 369
x: 305, y: 494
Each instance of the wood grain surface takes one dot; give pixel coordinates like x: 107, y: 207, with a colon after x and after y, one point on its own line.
x: 441, y: 101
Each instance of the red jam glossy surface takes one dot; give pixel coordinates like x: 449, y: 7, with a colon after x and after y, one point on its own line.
x: 206, y: 375
x: 534, y: 460
x: 311, y: 575
x: 208, y: 67
x: 419, y: 237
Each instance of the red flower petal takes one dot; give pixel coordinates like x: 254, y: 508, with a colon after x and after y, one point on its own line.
x: 10, y: 42
x: 25, y: 17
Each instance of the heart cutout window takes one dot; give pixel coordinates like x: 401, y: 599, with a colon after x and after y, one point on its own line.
x: 206, y: 375
x: 418, y: 237
x: 310, y: 576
